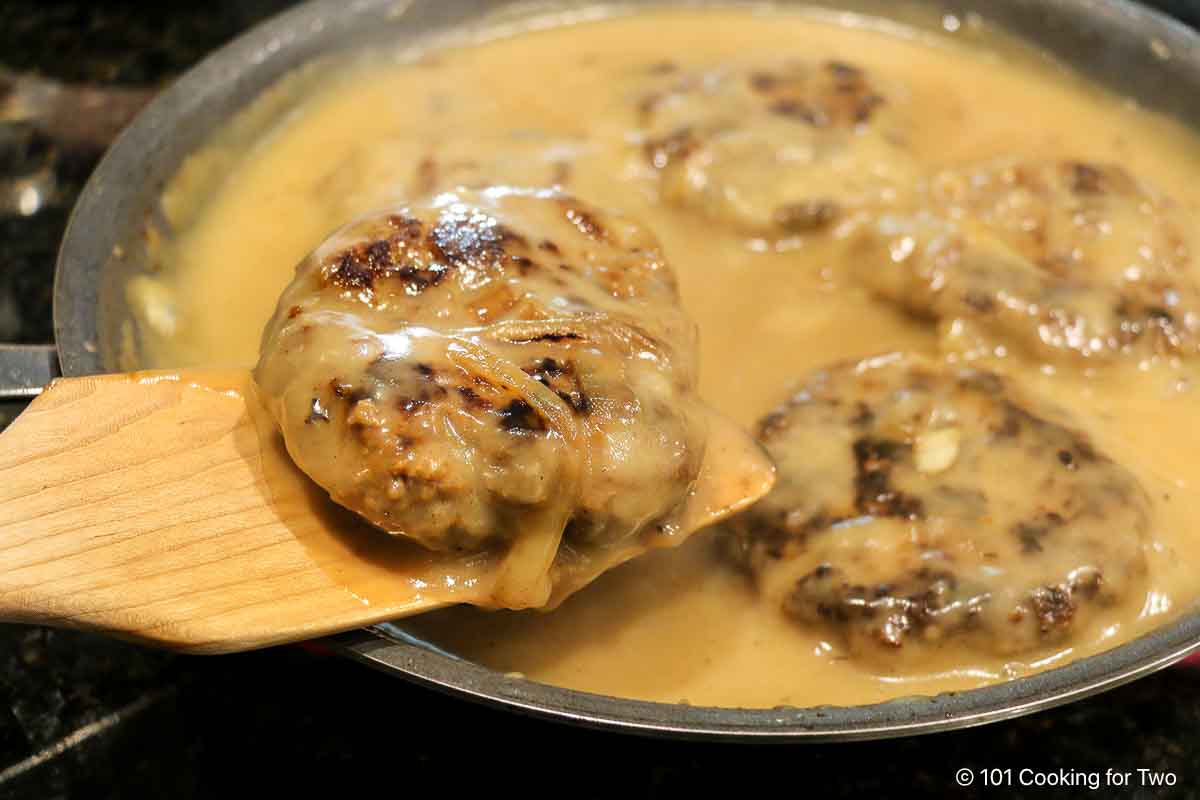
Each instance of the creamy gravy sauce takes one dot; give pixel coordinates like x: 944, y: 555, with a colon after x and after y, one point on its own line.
x: 677, y: 625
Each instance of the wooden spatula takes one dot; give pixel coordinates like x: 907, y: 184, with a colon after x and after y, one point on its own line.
x: 162, y: 507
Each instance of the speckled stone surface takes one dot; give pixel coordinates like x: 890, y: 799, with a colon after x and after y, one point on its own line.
x: 84, y: 717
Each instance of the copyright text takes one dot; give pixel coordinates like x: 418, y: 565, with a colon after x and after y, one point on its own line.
x: 996, y: 776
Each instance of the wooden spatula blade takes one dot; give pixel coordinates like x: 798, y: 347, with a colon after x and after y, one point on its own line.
x: 163, y: 508
x: 734, y: 475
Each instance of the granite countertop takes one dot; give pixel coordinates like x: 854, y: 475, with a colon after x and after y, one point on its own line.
x: 85, y: 717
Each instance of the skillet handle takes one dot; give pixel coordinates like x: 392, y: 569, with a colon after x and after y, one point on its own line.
x: 80, y: 121
x: 25, y: 369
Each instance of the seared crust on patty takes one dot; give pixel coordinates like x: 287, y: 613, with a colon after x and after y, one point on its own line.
x: 486, y: 364
x: 917, y: 502
x: 774, y: 147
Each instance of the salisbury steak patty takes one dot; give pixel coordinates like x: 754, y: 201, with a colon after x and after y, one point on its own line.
x: 774, y: 147
x: 382, y: 174
x: 474, y: 369
x: 917, y: 503
x: 1065, y: 260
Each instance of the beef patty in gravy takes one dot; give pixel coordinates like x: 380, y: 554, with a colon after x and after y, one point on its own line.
x: 919, y: 504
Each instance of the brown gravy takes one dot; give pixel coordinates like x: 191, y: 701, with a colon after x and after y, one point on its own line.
x: 678, y: 626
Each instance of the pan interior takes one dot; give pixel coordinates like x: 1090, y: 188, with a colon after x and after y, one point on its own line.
x: 124, y: 198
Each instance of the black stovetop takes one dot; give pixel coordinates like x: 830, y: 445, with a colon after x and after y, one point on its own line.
x: 84, y: 717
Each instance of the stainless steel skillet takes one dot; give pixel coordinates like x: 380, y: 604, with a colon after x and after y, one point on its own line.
x: 1132, y: 50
